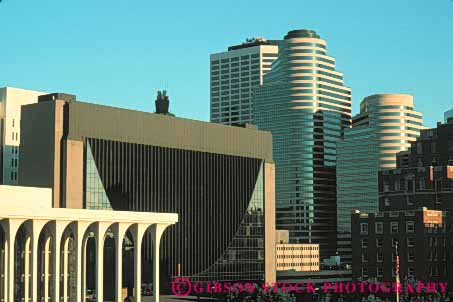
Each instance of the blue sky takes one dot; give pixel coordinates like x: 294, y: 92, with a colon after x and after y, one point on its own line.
x: 120, y: 52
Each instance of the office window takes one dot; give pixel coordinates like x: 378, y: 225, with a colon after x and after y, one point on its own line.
x: 379, y: 242
x: 364, y: 228
x: 411, y: 241
x: 379, y: 272
x: 410, y: 256
x: 379, y: 228
x: 379, y: 257
x: 394, y: 227
x: 364, y: 242
x: 410, y: 228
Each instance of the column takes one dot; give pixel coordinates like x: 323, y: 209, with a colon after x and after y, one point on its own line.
x: 119, y: 231
x: 57, y: 229
x: 156, y: 232
x: 46, y: 269
x: 65, y: 269
x: 139, y: 231
x: 100, y: 231
x: 35, y: 231
x: 5, y: 267
x: 10, y: 227
x: 80, y: 229
x: 27, y: 268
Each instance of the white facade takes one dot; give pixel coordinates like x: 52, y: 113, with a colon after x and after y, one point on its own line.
x: 11, y: 100
x: 234, y: 75
x: 55, y: 240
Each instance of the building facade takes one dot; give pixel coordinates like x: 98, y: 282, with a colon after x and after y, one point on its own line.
x: 386, y: 125
x: 219, y: 179
x: 423, y: 176
x: 448, y: 115
x: 234, y: 75
x: 306, y: 106
x: 423, y: 240
x: 11, y: 100
x: 298, y: 257
x: 44, y: 249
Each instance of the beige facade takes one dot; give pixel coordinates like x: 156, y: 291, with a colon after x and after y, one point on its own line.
x: 234, y: 75
x: 297, y: 257
x: 55, y: 240
x: 11, y: 100
x: 395, y: 122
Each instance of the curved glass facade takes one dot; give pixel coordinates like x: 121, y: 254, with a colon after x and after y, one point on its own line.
x: 385, y: 126
x: 306, y: 125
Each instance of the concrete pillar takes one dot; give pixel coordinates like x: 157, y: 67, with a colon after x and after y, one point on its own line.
x: 65, y: 269
x: 138, y: 231
x: 10, y: 227
x: 56, y: 230
x: 119, y: 231
x: 47, y: 269
x: 34, y: 227
x: 27, y: 268
x: 99, y: 234
x: 79, y: 229
x: 5, y: 270
x: 156, y: 234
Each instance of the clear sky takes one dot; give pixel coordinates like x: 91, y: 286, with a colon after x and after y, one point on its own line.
x: 120, y: 52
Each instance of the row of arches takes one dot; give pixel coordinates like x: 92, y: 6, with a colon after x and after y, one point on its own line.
x: 66, y: 261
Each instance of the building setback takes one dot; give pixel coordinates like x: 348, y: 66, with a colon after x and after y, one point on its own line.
x: 234, y: 75
x: 219, y: 179
x: 386, y: 125
x: 11, y: 100
x: 305, y: 105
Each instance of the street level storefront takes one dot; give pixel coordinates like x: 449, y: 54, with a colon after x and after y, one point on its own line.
x: 37, y: 241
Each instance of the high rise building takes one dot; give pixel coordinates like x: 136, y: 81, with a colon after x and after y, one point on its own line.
x: 385, y: 126
x: 306, y: 106
x: 219, y: 179
x: 11, y: 100
x: 234, y: 75
x: 448, y: 115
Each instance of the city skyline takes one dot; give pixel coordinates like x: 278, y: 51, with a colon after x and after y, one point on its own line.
x: 366, y: 51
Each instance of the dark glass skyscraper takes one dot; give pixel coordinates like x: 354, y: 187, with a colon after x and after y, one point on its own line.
x: 306, y: 106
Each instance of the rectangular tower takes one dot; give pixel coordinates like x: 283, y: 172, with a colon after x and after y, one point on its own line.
x: 11, y: 100
x: 234, y: 75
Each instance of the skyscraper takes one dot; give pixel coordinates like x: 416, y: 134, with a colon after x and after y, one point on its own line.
x: 11, y: 100
x: 234, y: 75
x: 386, y: 125
x: 306, y: 106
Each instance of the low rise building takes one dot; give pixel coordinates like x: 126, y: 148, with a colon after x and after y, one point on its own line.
x: 295, y: 257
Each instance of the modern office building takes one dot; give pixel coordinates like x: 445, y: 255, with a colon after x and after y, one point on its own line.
x: 448, y: 115
x: 306, y: 106
x: 423, y: 240
x: 11, y: 100
x: 234, y: 75
x: 219, y: 179
x: 43, y: 254
x: 386, y: 125
x: 423, y: 176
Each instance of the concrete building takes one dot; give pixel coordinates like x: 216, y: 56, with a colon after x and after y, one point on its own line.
x: 219, y: 179
x: 386, y: 125
x: 44, y: 249
x: 423, y: 176
x: 306, y: 106
x: 11, y: 100
x: 234, y: 75
x: 424, y: 239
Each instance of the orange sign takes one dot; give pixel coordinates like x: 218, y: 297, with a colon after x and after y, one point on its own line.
x: 432, y: 217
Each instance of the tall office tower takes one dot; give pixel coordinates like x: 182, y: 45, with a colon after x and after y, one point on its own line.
x: 11, y: 100
x: 448, y: 115
x: 385, y: 126
x: 234, y: 75
x: 306, y: 106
